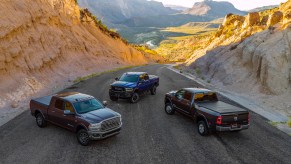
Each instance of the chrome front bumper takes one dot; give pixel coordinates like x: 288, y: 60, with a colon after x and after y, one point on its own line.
x: 98, y: 135
x: 228, y: 128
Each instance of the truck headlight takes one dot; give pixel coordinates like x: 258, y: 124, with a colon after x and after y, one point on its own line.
x: 95, y: 127
x: 128, y: 89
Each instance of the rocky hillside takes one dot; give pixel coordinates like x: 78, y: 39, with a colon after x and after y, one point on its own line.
x: 46, y: 43
x: 117, y: 11
x: 213, y: 8
x: 250, y: 54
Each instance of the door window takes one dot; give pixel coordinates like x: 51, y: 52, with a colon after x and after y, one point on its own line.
x: 68, y: 106
x: 146, y: 77
x: 59, y: 104
x: 180, y: 94
x: 188, y: 96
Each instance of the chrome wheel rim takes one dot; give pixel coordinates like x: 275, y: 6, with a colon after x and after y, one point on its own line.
x: 84, y: 138
x: 169, y: 109
x: 201, y: 128
x: 39, y: 120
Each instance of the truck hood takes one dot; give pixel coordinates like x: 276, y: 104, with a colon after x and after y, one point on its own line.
x: 124, y: 84
x: 99, y: 115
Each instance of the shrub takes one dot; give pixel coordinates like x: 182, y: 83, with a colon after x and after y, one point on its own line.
x: 100, y: 25
x: 198, y: 71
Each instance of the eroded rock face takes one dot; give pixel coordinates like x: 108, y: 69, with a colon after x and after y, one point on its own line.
x: 275, y: 18
x: 252, y: 19
x: 45, y: 40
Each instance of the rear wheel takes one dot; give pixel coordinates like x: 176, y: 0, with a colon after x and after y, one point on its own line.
x: 113, y: 98
x: 134, y: 98
x: 202, y: 128
x: 40, y: 121
x: 154, y: 90
x: 169, y: 109
x: 83, y: 137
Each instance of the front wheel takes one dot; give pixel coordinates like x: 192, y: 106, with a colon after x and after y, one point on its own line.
x: 169, y: 109
x: 202, y: 128
x: 83, y: 137
x: 154, y: 90
x: 134, y: 98
x: 40, y: 121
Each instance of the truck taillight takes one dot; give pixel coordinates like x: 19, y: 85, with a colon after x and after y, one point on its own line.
x: 219, y: 120
x: 249, y: 118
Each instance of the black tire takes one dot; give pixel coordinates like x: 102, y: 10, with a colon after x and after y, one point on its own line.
x: 113, y: 98
x: 83, y: 137
x: 154, y: 90
x: 202, y: 128
x: 134, y: 98
x: 40, y: 121
x: 169, y: 109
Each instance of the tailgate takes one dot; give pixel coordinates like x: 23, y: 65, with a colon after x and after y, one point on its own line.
x: 235, y: 118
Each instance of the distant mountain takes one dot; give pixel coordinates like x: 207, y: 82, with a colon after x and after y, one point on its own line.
x: 116, y: 11
x: 176, y: 7
x: 259, y: 9
x: 213, y: 8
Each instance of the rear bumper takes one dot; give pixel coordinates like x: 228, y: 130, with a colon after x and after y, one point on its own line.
x: 102, y: 135
x: 123, y: 94
x: 228, y: 128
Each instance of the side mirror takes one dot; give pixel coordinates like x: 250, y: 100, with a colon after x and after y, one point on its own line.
x: 105, y: 103
x: 68, y: 112
x: 116, y: 79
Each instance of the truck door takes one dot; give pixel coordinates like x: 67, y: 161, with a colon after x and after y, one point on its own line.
x: 142, y: 84
x: 182, y: 101
x: 68, y: 120
x: 55, y: 111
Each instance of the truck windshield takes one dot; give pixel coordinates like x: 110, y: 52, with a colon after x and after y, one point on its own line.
x: 205, y: 97
x: 129, y: 78
x: 87, y: 106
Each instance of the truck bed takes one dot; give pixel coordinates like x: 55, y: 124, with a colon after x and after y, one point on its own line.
x: 45, y: 101
x: 220, y: 107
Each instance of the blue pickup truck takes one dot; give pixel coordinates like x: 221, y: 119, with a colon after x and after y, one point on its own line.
x: 132, y: 84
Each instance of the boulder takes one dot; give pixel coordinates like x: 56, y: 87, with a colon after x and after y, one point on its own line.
x: 252, y: 19
x: 275, y: 18
x: 264, y: 20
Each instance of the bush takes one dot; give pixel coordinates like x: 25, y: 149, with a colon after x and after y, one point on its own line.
x: 100, y: 25
x: 198, y: 71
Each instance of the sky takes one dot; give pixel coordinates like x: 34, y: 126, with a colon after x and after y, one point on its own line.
x: 240, y: 4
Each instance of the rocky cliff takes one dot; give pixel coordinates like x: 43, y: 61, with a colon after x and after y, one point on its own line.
x: 213, y: 8
x: 45, y: 43
x: 250, y: 54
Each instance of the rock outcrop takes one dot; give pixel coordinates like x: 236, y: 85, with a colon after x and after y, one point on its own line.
x: 252, y: 19
x: 253, y: 58
x: 275, y: 18
x: 43, y: 44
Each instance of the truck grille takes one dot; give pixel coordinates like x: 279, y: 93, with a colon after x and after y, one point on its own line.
x: 118, y: 89
x: 110, y: 124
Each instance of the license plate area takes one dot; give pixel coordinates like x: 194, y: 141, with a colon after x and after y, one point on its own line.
x: 234, y: 126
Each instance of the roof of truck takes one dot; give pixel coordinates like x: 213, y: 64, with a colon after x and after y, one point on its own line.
x: 73, y: 96
x: 135, y: 73
x: 197, y: 90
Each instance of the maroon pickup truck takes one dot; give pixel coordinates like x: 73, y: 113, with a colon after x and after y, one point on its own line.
x: 77, y: 112
x: 210, y: 114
